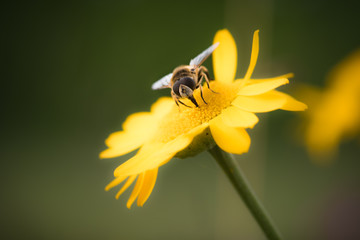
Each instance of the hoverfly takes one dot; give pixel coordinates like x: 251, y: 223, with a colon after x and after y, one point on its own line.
x: 186, y: 78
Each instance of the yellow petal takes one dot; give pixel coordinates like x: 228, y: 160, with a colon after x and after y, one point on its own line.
x: 310, y: 94
x: 125, y: 186
x: 144, y: 160
x: 291, y: 103
x: 225, y: 57
x: 162, y: 106
x: 178, y: 144
x: 322, y: 143
x: 235, y: 117
x: 115, y: 182
x: 254, y: 55
x: 232, y: 140
x: 288, y: 75
x: 136, y: 191
x: 137, y: 127
x: 153, y: 155
x: 148, y: 186
x: 136, y: 121
x: 259, y: 87
x: 122, y: 142
x: 260, y: 103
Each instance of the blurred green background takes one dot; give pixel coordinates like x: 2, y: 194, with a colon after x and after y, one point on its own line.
x: 72, y: 72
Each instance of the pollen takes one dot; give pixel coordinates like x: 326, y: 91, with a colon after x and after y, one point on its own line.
x: 182, y: 119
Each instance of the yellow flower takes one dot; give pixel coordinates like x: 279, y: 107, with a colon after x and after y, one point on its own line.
x: 166, y: 132
x: 335, y: 113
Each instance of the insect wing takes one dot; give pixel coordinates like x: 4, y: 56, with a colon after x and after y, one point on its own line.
x: 164, y: 82
x: 204, y: 55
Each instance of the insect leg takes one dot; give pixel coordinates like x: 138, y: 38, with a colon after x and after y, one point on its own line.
x: 192, y: 99
x: 174, y: 98
x: 207, y: 81
x: 205, y: 74
x: 201, y: 94
x: 183, y: 103
x: 177, y: 100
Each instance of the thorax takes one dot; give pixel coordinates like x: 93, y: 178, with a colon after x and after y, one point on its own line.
x: 183, y: 71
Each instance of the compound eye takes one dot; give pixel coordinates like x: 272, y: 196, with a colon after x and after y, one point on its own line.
x: 187, y: 81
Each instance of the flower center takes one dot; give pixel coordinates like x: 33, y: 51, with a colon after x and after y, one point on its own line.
x: 181, y: 120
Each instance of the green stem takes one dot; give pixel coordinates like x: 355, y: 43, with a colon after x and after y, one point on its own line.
x: 237, y: 178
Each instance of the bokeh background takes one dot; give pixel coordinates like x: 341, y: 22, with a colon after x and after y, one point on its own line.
x: 72, y: 72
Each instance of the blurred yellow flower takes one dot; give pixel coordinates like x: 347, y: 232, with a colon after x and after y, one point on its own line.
x: 334, y: 113
x: 165, y: 132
